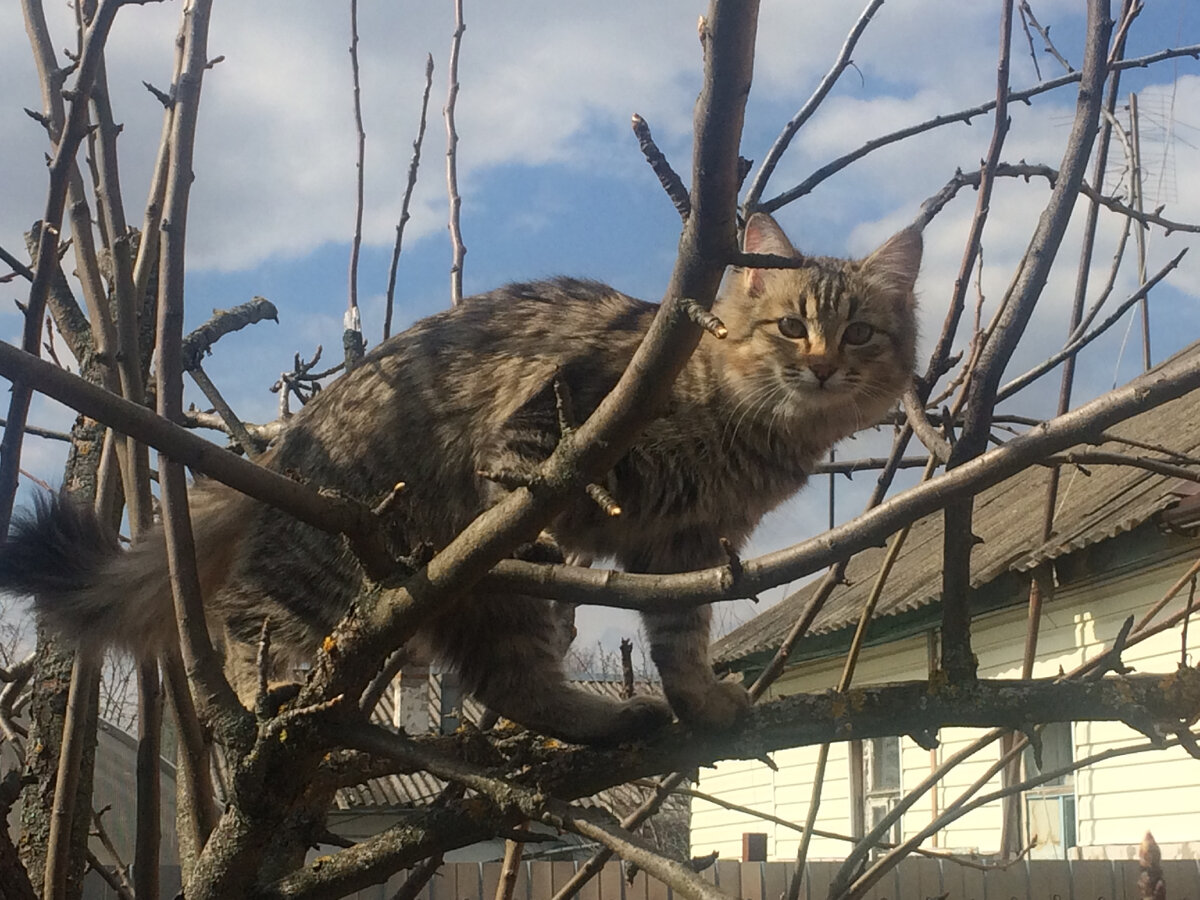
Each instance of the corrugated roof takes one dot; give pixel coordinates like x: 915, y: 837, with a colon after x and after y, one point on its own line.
x: 1094, y: 504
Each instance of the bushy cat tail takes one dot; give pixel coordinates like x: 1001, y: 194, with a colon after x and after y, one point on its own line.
x: 84, y: 588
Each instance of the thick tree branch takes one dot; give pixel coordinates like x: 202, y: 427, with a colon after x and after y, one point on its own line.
x: 957, y: 658
x: 800, y: 720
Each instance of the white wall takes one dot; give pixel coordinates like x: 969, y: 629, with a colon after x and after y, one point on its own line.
x: 1117, y: 800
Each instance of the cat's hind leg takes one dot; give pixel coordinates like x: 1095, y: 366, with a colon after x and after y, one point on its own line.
x: 679, y: 640
x: 508, y: 651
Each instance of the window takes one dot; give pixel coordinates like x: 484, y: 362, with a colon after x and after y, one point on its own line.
x: 874, y: 784
x: 1050, y: 807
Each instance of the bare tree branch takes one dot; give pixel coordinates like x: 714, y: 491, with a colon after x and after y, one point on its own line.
x: 47, y: 255
x: 843, y: 61
x: 459, y: 249
x: 667, y: 176
x: 964, y: 115
x: 413, y: 165
x: 352, y: 338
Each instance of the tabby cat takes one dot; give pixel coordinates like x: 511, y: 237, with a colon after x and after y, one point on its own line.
x: 812, y: 355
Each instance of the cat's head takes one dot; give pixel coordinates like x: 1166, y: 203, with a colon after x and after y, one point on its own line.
x: 832, y: 333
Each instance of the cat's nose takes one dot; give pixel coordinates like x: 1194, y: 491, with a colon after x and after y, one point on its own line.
x: 822, y: 370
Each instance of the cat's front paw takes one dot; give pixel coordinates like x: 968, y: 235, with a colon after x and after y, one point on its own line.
x: 641, y: 716
x: 717, y: 707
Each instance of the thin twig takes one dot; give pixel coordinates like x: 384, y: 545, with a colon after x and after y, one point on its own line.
x: 15, y: 679
x: 1101, y: 458
x: 199, y: 342
x: 946, y: 855
x: 352, y: 338
x: 237, y: 428
x: 59, y: 847
x: 260, y: 434
x: 866, y: 614
x: 1027, y: 13
x: 667, y: 176
x: 1078, y: 343
x: 46, y: 259
x: 921, y: 426
x: 1037, y: 69
x: 121, y: 871
x: 47, y: 433
x: 932, y: 206
x: 116, y: 880
x: 963, y: 115
x: 843, y: 61
x: 459, y: 249
x: 413, y: 165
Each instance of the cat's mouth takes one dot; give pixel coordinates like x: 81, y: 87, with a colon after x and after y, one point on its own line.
x: 811, y: 385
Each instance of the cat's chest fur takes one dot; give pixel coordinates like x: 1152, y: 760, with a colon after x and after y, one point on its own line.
x: 692, y: 470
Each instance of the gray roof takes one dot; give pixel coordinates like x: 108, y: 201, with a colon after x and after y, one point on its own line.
x: 114, y: 783
x: 1095, y: 503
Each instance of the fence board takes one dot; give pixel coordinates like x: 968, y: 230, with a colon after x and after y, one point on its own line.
x: 443, y: 885
x: 883, y: 889
x: 817, y: 878
x: 591, y: 890
x: 776, y: 878
x: 541, y: 882
x: 656, y: 890
x: 491, y: 880
x: 1052, y: 880
x: 752, y: 881
x: 963, y: 882
x: 929, y: 877
x: 729, y: 876
x: 636, y: 890
x: 913, y: 879
x: 1126, y: 879
x: 1009, y: 883
x: 1182, y: 877
x: 611, y: 880
x: 562, y: 871
x: 1092, y: 879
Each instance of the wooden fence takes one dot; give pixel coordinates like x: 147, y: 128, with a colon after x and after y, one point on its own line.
x: 916, y: 878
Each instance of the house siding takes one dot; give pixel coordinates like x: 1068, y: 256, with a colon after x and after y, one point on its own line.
x: 1117, y: 800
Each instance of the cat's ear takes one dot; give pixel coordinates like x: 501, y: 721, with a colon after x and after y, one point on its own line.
x: 895, y: 265
x: 763, y: 235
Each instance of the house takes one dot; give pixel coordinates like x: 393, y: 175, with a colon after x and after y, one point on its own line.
x: 114, y: 787
x: 1122, y: 538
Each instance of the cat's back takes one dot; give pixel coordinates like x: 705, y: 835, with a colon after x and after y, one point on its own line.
x: 428, y: 397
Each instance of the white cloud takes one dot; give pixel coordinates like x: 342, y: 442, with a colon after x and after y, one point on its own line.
x: 542, y: 82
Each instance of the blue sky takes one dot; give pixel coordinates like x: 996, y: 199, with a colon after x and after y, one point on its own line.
x: 551, y: 177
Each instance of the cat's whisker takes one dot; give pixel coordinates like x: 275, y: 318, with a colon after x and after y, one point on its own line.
x: 765, y: 385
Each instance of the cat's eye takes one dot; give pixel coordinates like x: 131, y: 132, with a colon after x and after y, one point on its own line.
x: 792, y: 327
x: 858, y: 333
